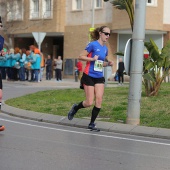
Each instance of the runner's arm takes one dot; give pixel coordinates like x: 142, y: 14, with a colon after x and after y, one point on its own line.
x: 84, y: 56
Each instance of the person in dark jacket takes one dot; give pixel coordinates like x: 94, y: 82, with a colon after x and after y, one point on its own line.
x: 48, y: 65
x: 121, y: 69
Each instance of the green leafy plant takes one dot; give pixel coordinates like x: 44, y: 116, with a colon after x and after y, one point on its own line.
x: 156, y: 67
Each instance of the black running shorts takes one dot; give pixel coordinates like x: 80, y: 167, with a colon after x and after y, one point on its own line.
x: 90, y: 81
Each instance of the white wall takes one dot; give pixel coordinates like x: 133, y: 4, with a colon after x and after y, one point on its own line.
x: 84, y: 17
x: 166, y: 16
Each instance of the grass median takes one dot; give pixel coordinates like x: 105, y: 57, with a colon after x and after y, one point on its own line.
x: 155, y: 111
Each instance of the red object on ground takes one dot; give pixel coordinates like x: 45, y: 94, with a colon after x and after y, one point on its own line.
x: 2, y: 128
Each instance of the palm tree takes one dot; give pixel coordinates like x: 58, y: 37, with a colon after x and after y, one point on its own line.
x: 125, y: 5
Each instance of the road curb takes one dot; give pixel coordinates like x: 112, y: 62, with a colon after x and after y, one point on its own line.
x: 83, y: 123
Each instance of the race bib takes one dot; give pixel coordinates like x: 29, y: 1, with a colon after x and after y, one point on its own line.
x: 98, y: 65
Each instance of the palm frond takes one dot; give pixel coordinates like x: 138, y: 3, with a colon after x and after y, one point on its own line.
x: 153, y: 50
x: 119, y: 4
x: 125, y: 5
x: 150, y: 76
x: 165, y: 54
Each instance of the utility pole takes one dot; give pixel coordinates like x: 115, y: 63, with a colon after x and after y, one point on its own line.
x: 92, y: 22
x: 136, y: 67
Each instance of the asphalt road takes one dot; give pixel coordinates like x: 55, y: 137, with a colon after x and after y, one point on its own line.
x: 16, y: 89
x: 30, y: 145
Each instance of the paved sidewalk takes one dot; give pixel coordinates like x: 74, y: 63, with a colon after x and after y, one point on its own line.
x: 104, y: 126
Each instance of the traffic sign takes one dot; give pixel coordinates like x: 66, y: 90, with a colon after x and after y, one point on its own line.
x: 39, y: 37
x: 127, y: 56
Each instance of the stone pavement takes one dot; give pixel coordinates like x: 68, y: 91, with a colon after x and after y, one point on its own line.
x: 76, y: 122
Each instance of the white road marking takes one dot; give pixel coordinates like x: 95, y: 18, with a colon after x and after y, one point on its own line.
x: 84, y: 133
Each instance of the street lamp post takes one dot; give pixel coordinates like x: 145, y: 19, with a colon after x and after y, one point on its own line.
x: 92, y: 22
x: 136, y: 67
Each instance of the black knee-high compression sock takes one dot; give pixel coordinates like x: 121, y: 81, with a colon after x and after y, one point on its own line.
x: 79, y: 106
x: 95, y: 113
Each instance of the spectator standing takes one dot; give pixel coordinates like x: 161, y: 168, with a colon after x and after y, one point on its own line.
x: 48, y: 65
x: 3, y: 63
x: 27, y: 65
x: 30, y: 59
x: 9, y: 64
x: 36, y: 63
x: 15, y: 63
x: 22, y: 65
x: 59, y: 64
x: 121, y: 69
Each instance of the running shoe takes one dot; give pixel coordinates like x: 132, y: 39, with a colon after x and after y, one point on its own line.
x: 72, y: 112
x: 2, y: 128
x: 92, y: 127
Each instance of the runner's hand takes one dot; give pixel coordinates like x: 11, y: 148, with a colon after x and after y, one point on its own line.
x: 95, y: 57
x: 110, y: 63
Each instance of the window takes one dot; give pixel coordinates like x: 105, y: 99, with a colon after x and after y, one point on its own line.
x: 98, y: 3
x: 18, y: 9
x: 77, y: 4
x: 35, y: 6
x: 34, y: 9
x: 47, y: 8
x: 41, y: 9
x: 15, y: 10
x: 152, y: 2
x: 48, y: 5
x: 2, y: 9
